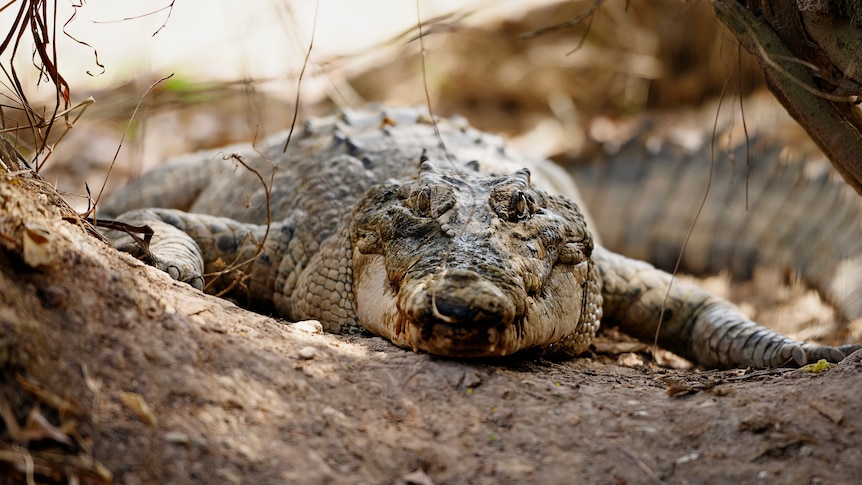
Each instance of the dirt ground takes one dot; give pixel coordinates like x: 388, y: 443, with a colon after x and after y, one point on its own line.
x: 113, y: 373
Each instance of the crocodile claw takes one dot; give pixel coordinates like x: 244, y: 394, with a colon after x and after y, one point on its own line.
x: 184, y: 273
x: 850, y: 348
x: 810, y: 353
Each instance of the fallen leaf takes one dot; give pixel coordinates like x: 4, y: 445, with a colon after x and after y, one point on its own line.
x: 817, y: 367
x: 136, y: 403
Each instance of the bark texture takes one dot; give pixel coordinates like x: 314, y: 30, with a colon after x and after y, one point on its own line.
x: 810, y: 53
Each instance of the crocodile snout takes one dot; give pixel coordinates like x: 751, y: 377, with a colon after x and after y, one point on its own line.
x: 462, y: 297
x: 460, y: 313
x: 453, y: 310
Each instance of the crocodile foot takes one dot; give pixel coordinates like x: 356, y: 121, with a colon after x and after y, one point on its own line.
x: 807, y: 353
x: 183, y: 272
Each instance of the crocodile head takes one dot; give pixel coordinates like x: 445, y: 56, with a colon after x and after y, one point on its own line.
x: 464, y: 265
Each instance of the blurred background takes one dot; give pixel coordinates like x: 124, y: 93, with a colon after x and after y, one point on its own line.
x: 235, y: 70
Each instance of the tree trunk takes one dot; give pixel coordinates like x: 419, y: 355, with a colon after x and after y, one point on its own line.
x: 811, y: 54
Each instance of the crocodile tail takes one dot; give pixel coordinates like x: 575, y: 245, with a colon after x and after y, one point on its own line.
x: 767, y: 204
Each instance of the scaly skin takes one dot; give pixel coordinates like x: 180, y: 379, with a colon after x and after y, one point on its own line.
x: 461, y: 253
x: 785, y: 208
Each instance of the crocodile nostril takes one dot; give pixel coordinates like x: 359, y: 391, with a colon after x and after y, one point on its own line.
x: 459, y: 301
x: 462, y: 298
x: 452, y: 310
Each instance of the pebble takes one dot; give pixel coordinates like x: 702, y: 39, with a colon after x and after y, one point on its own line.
x: 307, y: 353
x: 177, y: 437
x: 630, y: 359
x: 472, y: 378
x: 310, y: 326
x: 417, y: 477
x: 687, y: 458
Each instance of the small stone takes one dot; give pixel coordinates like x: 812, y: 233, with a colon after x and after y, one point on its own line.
x: 630, y: 359
x: 307, y: 353
x: 158, y: 356
x: 687, y: 458
x: 177, y: 437
x: 310, y: 326
x: 472, y: 378
x: 417, y: 477
x: 39, y: 247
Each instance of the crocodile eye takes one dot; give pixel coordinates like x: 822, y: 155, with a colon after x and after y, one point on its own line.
x: 519, y: 206
x: 421, y: 202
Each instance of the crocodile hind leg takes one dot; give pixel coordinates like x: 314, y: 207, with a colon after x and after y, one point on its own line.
x: 696, y: 324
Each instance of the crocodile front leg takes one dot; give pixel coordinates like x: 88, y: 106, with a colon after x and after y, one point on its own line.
x: 298, y: 274
x: 697, y: 325
x: 219, y: 253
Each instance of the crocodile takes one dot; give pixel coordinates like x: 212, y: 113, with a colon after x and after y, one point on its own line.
x: 433, y: 235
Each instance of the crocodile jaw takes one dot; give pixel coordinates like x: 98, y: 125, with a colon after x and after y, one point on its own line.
x: 564, y: 319
x: 378, y: 311
x: 375, y: 299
